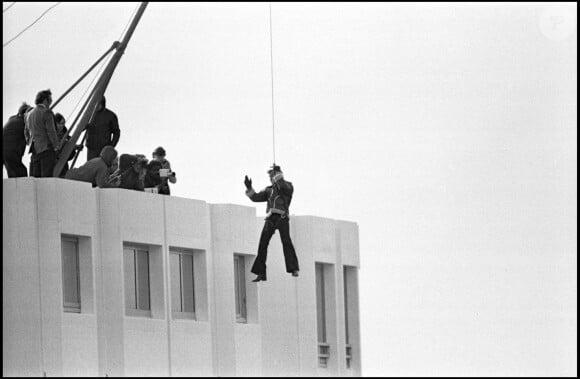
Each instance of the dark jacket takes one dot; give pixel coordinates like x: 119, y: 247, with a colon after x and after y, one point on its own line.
x: 13, y: 135
x: 278, y: 196
x: 130, y: 179
x: 152, y: 180
x: 96, y: 170
x: 103, y: 130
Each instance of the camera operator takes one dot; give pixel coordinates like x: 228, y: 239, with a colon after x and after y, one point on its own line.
x: 165, y: 172
x: 131, y: 171
x: 152, y: 179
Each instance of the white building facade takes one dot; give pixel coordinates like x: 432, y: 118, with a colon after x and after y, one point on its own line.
x: 112, y: 282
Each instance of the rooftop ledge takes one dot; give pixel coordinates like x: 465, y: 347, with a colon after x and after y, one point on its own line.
x: 71, y: 192
x: 113, y: 216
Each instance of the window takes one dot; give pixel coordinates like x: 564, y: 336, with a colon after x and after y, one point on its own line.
x: 240, y: 288
x: 346, y: 326
x: 77, y: 274
x: 323, y: 346
x: 182, y: 284
x: 71, y: 289
x: 348, y: 355
x: 137, y: 290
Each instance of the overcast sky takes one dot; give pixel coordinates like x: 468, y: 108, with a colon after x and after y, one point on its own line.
x: 446, y: 131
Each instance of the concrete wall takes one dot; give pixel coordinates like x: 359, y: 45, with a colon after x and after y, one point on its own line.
x: 279, y: 337
x: 288, y: 304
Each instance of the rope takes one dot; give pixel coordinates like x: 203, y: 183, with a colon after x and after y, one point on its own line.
x: 8, y: 7
x: 128, y: 22
x: 82, y: 77
x: 89, y: 86
x: 72, y: 165
x: 80, y: 112
x: 115, y: 45
x: 29, y: 26
x: 81, y: 97
x: 74, y: 124
x: 78, y: 115
x: 272, y: 81
x: 84, y: 105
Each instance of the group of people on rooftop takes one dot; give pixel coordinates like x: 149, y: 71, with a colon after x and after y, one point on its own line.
x: 46, y: 135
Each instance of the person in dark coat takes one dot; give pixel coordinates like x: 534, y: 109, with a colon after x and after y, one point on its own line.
x: 278, y: 197
x: 152, y: 178
x: 131, y: 168
x: 97, y: 170
x: 102, y: 131
x: 14, y: 144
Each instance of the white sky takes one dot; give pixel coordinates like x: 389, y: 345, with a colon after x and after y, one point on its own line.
x: 446, y: 131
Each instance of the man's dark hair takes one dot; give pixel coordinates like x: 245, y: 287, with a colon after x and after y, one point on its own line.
x: 58, y: 118
x: 23, y: 108
x: 41, y: 96
x: 160, y: 152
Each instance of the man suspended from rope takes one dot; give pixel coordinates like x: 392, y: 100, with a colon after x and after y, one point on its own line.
x: 278, y: 196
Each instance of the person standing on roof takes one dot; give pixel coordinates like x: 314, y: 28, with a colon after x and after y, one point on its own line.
x: 14, y: 144
x: 166, y: 174
x: 40, y: 132
x: 102, y: 131
x: 278, y: 196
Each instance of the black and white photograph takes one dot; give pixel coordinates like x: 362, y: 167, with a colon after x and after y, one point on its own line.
x: 259, y: 189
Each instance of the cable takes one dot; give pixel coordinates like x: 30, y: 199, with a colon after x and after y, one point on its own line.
x: 71, y: 127
x: 100, y: 68
x: 8, y: 7
x: 81, y: 78
x: 89, y: 86
x: 28, y: 27
x: 82, y: 109
x: 128, y: 22
x: 272, y: 81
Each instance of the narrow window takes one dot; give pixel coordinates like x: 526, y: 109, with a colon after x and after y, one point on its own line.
x: 323, y: 346
x: 70, y: 275
x: 137, y: 289
x: 240, y: 288
x: 182, y: 284
x: 346, y: 326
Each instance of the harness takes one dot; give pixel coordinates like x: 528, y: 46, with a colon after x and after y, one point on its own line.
x: 286, y: 204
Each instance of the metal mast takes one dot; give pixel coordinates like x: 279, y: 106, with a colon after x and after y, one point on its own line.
x: 98, y: 92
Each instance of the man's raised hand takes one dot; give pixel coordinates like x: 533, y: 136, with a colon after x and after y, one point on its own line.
x: 248, y: 182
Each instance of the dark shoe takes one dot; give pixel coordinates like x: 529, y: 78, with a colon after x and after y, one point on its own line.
x: 260, y: 278
x: 295, y: 273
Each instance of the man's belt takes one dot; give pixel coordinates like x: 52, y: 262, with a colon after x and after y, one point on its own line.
x: 277, y: 211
